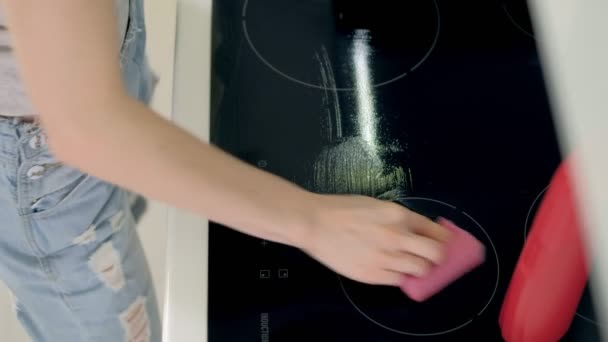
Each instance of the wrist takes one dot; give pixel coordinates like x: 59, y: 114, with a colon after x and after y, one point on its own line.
x: 301, y: 219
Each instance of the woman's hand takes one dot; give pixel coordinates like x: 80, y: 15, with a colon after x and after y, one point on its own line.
x: 373, y: 241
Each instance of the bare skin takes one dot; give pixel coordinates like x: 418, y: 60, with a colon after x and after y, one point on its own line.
x: 68, y: 53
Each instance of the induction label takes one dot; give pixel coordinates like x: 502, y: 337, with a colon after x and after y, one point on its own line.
x: 264, y: 327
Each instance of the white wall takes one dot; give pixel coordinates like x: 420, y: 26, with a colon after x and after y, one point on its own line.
x: 153, y: 227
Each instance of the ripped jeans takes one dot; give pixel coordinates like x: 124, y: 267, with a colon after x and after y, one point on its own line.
x: 69, y: 250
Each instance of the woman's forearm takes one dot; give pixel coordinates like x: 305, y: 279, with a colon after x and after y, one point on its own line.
x: 68, y: 53
x: 133, y: 147
x: 71, y: 69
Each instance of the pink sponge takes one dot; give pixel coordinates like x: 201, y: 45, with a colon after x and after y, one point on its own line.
x: 463, y: 254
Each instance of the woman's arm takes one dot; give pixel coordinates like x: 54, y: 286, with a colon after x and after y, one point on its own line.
x: 68, y: 51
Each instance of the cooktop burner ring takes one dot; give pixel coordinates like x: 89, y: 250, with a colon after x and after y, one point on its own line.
x: 531, y: 210
x: 454, y: 328
x: 528, y: 222
x: 515, y: 23
x: 280, y: 72
x: 589, y: 320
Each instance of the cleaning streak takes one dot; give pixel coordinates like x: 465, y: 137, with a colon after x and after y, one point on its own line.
x: 353, y: 165
x: 331, y: 101
x: 366, y: 99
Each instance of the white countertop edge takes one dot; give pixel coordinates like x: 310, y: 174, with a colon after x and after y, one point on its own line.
x: 185, y: 314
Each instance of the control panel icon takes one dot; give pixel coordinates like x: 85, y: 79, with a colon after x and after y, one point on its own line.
x: 283, y: 273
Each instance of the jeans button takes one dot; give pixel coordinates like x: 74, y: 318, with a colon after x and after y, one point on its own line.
x: 35, y: 172
x: 37, y: 141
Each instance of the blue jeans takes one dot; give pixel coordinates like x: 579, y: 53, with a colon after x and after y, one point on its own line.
x: 69, y: 249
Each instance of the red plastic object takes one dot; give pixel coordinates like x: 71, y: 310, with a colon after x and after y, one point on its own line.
x: 552, y: 271
x: 463, y: 254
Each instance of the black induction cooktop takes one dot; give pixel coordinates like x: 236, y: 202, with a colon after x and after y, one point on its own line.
x: 438, y: 105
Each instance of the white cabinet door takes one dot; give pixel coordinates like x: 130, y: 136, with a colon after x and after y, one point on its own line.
x: 186, y: 301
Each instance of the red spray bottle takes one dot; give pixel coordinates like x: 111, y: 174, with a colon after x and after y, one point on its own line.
x: 552, y: 270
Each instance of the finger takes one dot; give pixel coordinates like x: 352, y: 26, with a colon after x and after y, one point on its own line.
x: 424, y: 226
x: 385, y: 277
x: 405, y: 263
x: 420, y: 246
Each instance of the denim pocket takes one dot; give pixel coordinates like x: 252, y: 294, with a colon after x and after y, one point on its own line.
x: 44, y: 204
x: 66, y: 204
x: 48, y: 183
